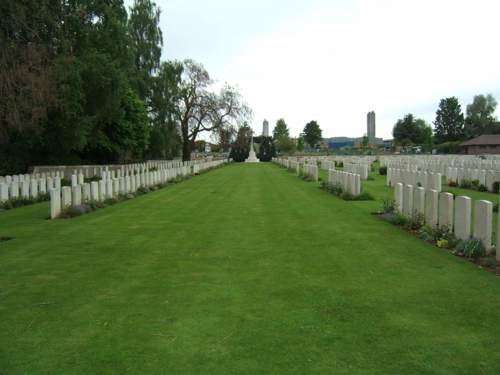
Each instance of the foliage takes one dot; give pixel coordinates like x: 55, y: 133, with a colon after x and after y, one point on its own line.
x: 284, y: 144
x: 382, y: 171
x: 281, y: 129
x: 200, y: 110
x: 241, y: 147
x: 415, y: 222
x: 412, y: 131
x: 449, y: 123
x: 388, y: 205
x: 496, y: 187
x: 449, y: 147
x: 480, y: 117
x: 312, y: 133
x: 472, y: 248
x: 300, y: 143
x: 20, y: 201
x: 267, y: 149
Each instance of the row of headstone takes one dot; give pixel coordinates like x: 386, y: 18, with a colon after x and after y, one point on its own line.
x: 362, y: 170
x: 486, y: 177
x: 27, y: 189
x: 92, y: 171
x: 441, y: 163
x: 427, y: 180
x: 441, y: 210
x: 348, y: 182
x: 111, y: 187
x: 311, y: 170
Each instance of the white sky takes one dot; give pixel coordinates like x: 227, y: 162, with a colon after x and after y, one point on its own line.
x: 333, y: 61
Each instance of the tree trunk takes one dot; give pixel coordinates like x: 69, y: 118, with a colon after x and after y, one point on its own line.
x: 186, y: 149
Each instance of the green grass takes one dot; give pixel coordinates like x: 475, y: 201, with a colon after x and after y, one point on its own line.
x: 243, y: 270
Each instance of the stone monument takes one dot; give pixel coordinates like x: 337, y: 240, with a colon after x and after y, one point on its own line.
x: 251, y: 156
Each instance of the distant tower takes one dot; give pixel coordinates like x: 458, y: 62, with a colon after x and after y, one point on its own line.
x: 265, y: 128
x: 370, y: 125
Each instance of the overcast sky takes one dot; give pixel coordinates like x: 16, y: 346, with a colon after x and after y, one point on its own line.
x: 333, y: 61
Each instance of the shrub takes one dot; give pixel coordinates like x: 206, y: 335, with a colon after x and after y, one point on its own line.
x: 340, y: 164
x: 472, y: 248
x: 452, y: 184
x: 466, y: 184
x: 475, y: 184
x: 482, y: 188
x: 397, y: 219
x: 382, y: 171
x: 442, y: 244
x: 426, y: 233
x: 489, y: 262
x: 496, y: 187
x: 388, y: 205
x: 415, y: 222
x: 71, y: 212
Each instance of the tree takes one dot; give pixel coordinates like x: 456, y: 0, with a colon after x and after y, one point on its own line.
x: 165, y: 139
x: 480, y: 116
x: 365, y: 142
x: 241, y: 147
x: 267, y: 149
x: 312, y: 133
x: 280, y: 129
x: 146, y: 41
x: 449, y: 123
x: 300, y: 142
x: 203, y: 111
x: 412, y: 131
x: 284, y: 144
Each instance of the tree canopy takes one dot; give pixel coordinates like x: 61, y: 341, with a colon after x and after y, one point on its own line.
x: 312, y: 133
x: 412, y: 131
x: 480, y: 117
x: 83, y: 82
x: 280, y: 129
x: 449, y: 123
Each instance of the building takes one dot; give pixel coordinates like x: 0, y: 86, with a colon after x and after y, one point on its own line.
x: 370, y: 126
x: 265, y: 128
x: 484, y: 144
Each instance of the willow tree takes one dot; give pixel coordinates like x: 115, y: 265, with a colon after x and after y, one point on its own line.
x: 201, y: 110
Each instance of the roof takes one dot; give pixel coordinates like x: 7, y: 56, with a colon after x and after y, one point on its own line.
x: 483, y: 140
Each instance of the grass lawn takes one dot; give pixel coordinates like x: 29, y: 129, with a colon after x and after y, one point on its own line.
x: 243, y: 270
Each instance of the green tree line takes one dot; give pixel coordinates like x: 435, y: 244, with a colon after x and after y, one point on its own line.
x: 82, y: 81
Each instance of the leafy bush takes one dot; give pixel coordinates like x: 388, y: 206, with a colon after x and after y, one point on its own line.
x: 482, y: 188
x: 267, y: 149
x: 71, y: 212
x: 415, y: 222
x: 397, y: 219
x: 496, y: 187
x: 466, y: 184
x: 489, y: 262
x: 382, y: 171
x: 472, y: 248
x: 452, y: 184
x: 388, y: 205
x: 340, y: 164
x: 426, y: 233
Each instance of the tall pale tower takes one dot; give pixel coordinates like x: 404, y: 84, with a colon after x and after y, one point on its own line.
x: 370, y: 125
x: 265, y: 128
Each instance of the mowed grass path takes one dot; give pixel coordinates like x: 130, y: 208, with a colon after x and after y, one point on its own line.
x: 243, y: 270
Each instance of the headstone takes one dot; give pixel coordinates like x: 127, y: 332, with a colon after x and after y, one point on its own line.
x: 94, y: 191
x: 419, y: 201
x: 86, y: 192
x: 65, y: 197
x: 408, y: 201
x: 4, y: 192
x: 463, y: 211
x: 55, y: 203
x: 446, y: 211
x: 76, y: 195
x: 398, y: 197
x: 483, y: 214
